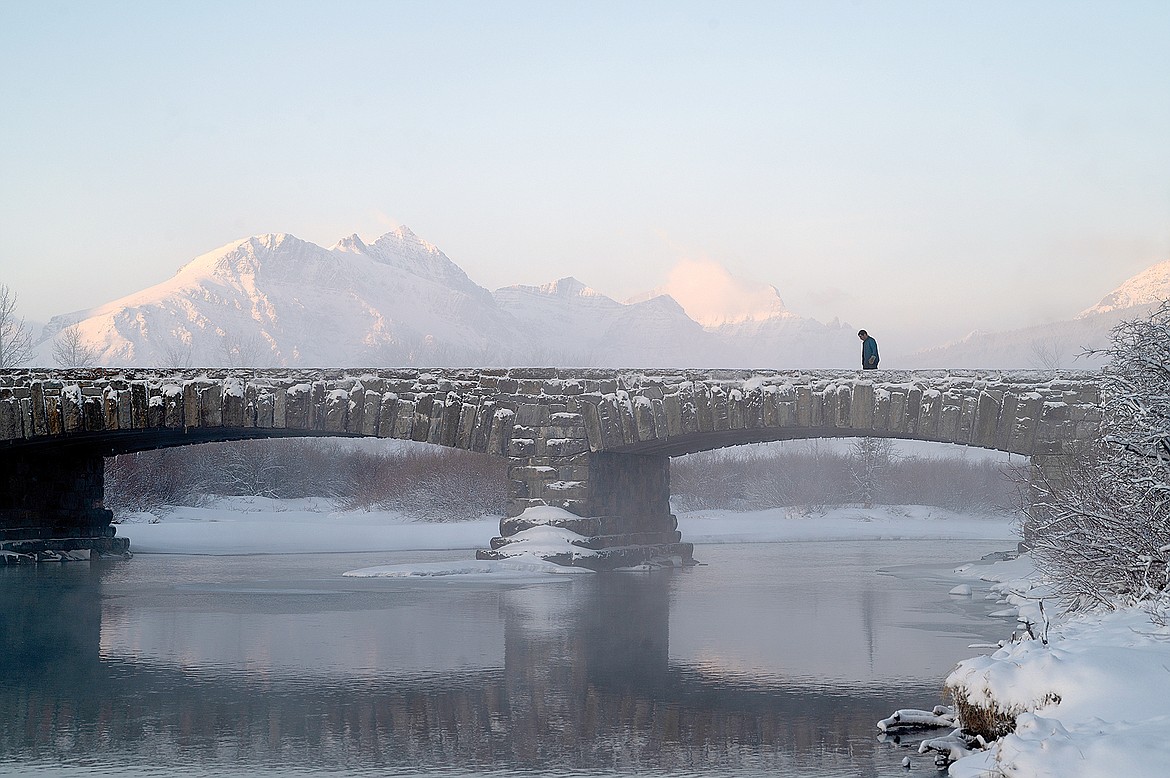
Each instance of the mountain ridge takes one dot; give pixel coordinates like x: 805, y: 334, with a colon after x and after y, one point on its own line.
x: 275, y: 299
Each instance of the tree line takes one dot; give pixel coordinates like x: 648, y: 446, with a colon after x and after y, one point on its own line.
x: 441, y: 484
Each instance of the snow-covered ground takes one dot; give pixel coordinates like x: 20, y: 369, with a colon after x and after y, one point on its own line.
x: 1093, y: 701
x: 255, y: 525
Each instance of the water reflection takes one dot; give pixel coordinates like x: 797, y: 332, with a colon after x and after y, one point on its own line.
x: 168, y: 663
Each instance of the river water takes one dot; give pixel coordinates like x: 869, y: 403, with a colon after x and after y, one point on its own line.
x: 769, y: 659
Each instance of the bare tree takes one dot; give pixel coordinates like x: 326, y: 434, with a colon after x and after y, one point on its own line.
x: 1100, y: 524
x: 176, y: 354
x: 1047, y: 354
x: 870, y: 461
x: 15, y: 339
x: 246, y: 351
x: 70, y: 350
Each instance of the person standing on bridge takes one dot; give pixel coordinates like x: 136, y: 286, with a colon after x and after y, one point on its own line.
x: 869, y: 352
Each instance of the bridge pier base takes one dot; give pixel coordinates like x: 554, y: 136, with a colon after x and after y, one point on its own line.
x: 53, y: 504
x: 619, y: 505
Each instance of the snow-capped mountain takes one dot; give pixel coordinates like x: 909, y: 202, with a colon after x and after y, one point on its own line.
x: 273, y: 300
x: 1148, y: 287
x: 278, y: 300
x: 572, y: 324
x: 1065, y: 344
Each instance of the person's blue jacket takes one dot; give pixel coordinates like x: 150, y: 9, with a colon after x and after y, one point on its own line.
x: 869, y: 353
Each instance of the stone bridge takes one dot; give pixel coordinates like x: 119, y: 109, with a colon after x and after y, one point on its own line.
x: 596, y: 443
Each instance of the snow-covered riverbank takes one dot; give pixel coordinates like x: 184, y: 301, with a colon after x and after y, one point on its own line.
x: 261, y: 526
x: 1090, y: 692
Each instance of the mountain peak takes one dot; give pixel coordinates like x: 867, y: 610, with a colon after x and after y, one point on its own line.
x: 351, y: 244
x: 402, y: 237
x: 1152, y: 285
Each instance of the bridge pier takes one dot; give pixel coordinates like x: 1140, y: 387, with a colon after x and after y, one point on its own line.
x: 53, y: 501
x: 621, y: 503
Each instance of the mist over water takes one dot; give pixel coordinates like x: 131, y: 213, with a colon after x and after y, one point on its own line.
x: 773, y: 658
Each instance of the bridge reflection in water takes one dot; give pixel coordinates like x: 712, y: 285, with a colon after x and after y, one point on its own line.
x: 536, y: 677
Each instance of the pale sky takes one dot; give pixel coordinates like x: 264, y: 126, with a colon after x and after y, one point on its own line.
x: 909, y: 167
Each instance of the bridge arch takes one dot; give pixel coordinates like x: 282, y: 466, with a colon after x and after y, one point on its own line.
x: 594, y: 442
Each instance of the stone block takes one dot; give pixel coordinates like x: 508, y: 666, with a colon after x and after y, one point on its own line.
x: 986, y: 425
x: 897, y: 411
x: 371, y: 412
x: 40, y: 424
x: 317, y: 405
x: 501, y: 431
x: 252, y: 405
x: 335, y: 410
x: 233, y: 410
x: 736, y: 412
x: 562, y: 447
x: 720, y: 411
x: 109, y: 408
x: 297, y: 401
x: 421, y: 425
x: 466, y: 426
x: 449, y: 424
x: 174, y: 402
x: 533, y: 414
x: 92, y: 417
x: 522, y: 447
x: 948, y: 420
x: 658, y: 411
x: 155, y: 411
x: 388, y: 415
x: 10, y: 418
x: 405, y: 413
x: 881, y: 411
x: 279, y: 407
x: 593, y: 430
x: 754, y: 408
x: 804, y: 406
x: 930, y: 419
x: 355, y: 417
x: 643, y: 417
x: 435, y: 426
x: 704, y: 408
x: 54, y: 419
x: 862, y: 402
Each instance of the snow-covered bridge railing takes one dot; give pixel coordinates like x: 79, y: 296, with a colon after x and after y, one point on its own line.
x: 594, y: 442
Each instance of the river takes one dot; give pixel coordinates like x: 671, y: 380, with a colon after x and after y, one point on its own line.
x: 769, y: 659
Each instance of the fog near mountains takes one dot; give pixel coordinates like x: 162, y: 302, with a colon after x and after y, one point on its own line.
x: 275, y: 300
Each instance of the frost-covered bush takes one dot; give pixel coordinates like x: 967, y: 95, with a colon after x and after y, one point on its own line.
x: 758, y: 477
x: 427, y: 482
x: 1101, y: 525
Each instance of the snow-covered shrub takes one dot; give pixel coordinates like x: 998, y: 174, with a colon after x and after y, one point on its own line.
x: 149, y: 481
x: 427, y: 482
x: 758, y: 477
x: 1100, y: 526
x: 430, y: 483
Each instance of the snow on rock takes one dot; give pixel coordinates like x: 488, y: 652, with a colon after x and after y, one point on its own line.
x: 518, y: 569
x: 910, y: 718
